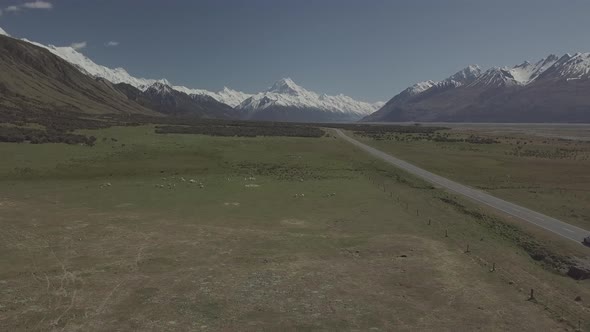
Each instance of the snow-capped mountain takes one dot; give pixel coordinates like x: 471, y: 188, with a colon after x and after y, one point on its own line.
x: 166, y: 100
x: 571, y: 67
x: 527, y: 72
x: 419, y: 88
x: 548, y: 90
x: 287, y: 101
x: 495, y: 77
x: 519, y: 75
x: 34, y: 81
x: 159, y: 89
x: 227, y: 96
x: 84, y: 64
x: 285, y: 93
x: 120, y: 75
x: 465, y: 76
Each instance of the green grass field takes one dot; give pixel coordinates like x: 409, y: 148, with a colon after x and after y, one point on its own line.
x: 549, y: 175
x: 187, y: 232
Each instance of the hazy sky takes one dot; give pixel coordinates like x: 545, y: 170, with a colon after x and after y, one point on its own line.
x: 368, y: 49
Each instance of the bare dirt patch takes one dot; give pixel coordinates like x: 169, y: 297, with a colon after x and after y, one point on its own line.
x: 293, y: 222
x: 176, y: 276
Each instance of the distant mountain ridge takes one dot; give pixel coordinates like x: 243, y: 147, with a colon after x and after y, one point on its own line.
x: 553, y: 89
x: 337, y: 108
x: 164, y: 99
x: 120, y: 75
x: 287, y: 101
x: 33, y: 79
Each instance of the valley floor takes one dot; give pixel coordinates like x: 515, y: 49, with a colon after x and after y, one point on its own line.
x: 175, y: 232
x: 543, y: 167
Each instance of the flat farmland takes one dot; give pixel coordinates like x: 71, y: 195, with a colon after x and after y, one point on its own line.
x: 545, y: 168
x: 176, y: 232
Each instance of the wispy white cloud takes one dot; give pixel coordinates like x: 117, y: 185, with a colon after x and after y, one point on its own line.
x: 38, y: 5
x: 78, y: 46
x: 112, y: 43
x: 12, y: 9
x: 44, y: 5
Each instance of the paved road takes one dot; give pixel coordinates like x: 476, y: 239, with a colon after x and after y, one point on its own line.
x: 558, y: 227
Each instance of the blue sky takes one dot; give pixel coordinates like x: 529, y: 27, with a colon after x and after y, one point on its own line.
x: 367, y: 49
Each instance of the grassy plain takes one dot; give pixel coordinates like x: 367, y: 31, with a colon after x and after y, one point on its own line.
x: 271, y: 234
x: 531, y: 165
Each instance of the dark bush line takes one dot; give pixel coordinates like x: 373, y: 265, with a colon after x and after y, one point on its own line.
x: 36, y: 136
x: 369, y: 129
x: 427, y: 136
x: 471, y: 139
x: 61, y: 121
x: 557, y: 153
x: 68, y: 121
x: 53, y: 121
x: 243, y: 131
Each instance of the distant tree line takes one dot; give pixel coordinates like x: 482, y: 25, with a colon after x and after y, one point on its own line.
x: 244, y: 130
x: 38, y: 136
x: 409, y: 133
x: 376, y: 130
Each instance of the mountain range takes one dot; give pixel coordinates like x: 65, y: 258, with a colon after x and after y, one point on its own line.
x: 287, y: 101
x: 284, y: 101
x: 32, y: 79
x: 553, y: 89
x: 34, y: 76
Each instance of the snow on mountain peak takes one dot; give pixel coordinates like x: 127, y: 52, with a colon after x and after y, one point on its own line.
x: 160, y: 88
x: 227, y: 96
x: 120, y: 75
x: 84, y: 64
x: 286, y: 85
x: 527, y: 72
x: 575, y: 66
x: 420, y: 87
x: 495, y: 76
x: 552, y: 57
x: 286, y: 93
x: 464, y: 76
x: 3, y: 32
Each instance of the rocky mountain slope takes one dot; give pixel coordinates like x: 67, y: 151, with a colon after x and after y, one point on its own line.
x: 120, y: 75
x: 553, y: 89
x: 335, y: 108
x: 287, y: 101
x: 33, y: 79
x: 164, y: 99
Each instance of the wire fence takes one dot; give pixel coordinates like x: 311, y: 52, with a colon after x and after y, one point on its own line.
x: 555, y: 301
